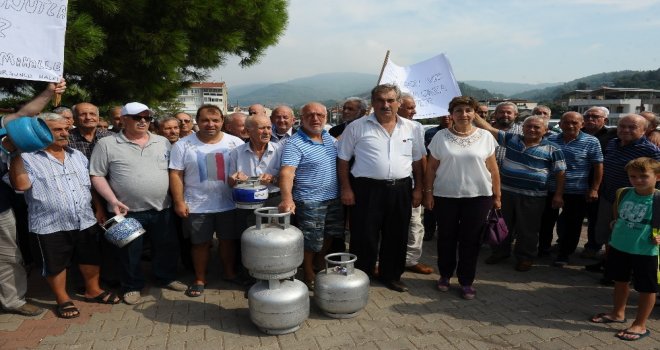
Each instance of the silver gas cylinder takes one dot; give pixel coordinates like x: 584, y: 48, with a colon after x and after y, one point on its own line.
x: 272, y: 249
x: 278, y: 306
x: 341, y: 290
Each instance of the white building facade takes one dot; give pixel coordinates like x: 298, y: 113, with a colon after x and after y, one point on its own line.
x: 620, y: 101
x: 200, y: 93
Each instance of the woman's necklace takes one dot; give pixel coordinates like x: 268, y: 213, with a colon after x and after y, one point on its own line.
x: 465, y: 133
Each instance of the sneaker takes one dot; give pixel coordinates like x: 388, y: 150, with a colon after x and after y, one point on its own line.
x: 468, y: 292
x: 132, y: 298
x: 443, y: 284
x: 560, y: 261
x: 176, y: 286
x: 27, y: 309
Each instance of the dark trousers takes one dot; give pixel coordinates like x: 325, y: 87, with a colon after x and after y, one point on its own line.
x: 430, y: 223
x: 592, y: 218
x: 462, y: 222
x: 521, y: 214
x: 381, y: 212
x: 164, y: 250
x: 569, y: 225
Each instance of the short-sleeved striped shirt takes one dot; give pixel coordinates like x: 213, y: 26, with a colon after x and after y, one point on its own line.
x: 500, y: 151
x: 316, y: 166
x: 60, y: 197
x: 616, y: 158
x: 580, y: 155
x: 525, y: 169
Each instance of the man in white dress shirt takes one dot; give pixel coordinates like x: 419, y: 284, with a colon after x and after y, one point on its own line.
x: 387, y: 149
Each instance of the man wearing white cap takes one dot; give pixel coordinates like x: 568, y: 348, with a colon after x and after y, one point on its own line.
x: 129, y: 169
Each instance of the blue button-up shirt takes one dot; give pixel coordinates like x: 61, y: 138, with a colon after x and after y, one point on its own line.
x: 60, y: 197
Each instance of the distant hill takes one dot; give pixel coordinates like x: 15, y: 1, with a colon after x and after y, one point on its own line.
x: 330, y: 89
x: 508, y: 89
x: 479, y: 94
x: 322, y: 87
x: 628, y: 78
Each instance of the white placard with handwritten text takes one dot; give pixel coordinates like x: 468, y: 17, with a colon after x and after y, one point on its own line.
x: 32, y: 39
x: 431, y: 82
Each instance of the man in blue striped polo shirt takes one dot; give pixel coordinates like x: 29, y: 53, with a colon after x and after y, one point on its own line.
x: 582, y: 152
x: 629, y: 144
x: 524, y: 172
x: 309, y: 186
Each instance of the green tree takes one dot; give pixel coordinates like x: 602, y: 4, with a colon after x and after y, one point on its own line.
x: 147, y: 50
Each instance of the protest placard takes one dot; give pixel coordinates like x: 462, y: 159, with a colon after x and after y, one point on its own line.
x: 431, y: 83
x: 32, y: 39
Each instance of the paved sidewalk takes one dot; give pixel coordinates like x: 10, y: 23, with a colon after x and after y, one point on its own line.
x: 545, y: 308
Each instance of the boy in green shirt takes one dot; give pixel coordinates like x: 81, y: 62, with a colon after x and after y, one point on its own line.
x: 634, y: 248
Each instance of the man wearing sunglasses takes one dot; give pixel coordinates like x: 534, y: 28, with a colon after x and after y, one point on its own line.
x: 129, y: 170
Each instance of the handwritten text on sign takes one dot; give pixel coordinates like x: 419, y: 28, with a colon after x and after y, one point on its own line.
x: 32, y: 39
x: 431, y: 83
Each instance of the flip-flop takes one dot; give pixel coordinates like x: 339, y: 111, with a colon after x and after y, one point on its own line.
x: 194, y: 290
x: 603, y: 318
x: 637, y: 335
x: 67, y: 307
x: 104, y: 298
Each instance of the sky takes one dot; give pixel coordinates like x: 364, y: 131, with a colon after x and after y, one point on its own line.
x: 525, y: 41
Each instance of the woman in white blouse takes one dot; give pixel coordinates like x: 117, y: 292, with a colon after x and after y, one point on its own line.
x: 461, y: 185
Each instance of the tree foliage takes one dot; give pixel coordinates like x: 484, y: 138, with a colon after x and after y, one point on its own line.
x: 148, y: 50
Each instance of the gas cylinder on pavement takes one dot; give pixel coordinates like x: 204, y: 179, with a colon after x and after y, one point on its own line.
x: 278, y: 306
x: 341, y: 290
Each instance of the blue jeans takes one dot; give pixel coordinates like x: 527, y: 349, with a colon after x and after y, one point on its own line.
x: 164, y: 250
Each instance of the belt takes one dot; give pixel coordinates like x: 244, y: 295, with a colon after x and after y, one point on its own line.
x: 386, y: 182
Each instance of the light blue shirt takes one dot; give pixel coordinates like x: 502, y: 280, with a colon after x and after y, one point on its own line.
x: 581, y: 154
x: 316, y: 167
x: 243, y: 159
x: 60, y: 197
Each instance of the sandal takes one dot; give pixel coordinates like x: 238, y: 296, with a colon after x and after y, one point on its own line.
x: 604, y: 317
x: 67, y: 310
x: 632, y: 336
x: 194, y: 290
x: 104, y: 298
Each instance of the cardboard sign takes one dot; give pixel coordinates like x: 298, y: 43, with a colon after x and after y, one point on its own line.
x: 32, y: 39
x: 431, y: 83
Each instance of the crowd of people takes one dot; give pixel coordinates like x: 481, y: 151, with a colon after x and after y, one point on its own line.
x: 379, y: 180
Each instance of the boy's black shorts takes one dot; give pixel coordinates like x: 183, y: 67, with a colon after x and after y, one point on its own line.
x: 643, y: 268
x: 60, y: 249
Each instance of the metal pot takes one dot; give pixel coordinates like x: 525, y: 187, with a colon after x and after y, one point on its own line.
x: 341, y: 290
x: 121, y: 231
x: 272, y: 250
x: 278, y: 306
x: 250, y: 194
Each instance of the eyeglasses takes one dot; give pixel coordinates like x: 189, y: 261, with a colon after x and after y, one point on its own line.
x: 137, y: 118
x: 592, y: 116
x: 185, y: 121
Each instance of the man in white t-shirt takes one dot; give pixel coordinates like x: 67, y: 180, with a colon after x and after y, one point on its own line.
x: 198, y: 183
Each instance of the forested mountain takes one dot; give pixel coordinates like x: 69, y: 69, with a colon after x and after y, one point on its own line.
x: 630, y: 79
x: 330, y: 89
